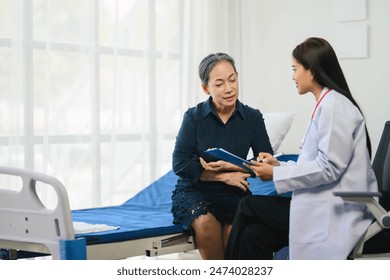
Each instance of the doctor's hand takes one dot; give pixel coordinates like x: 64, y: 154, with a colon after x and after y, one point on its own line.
x: 262, y: 170
x: 267, y: 158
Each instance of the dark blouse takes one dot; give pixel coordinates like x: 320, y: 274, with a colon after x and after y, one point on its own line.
x: 202, y: 129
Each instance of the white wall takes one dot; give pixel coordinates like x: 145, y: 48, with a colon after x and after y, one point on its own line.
x: 270, y: 31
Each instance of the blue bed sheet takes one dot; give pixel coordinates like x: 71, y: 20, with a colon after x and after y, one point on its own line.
x: 148, y: 213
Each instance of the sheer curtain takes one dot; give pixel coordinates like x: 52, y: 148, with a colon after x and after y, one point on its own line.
x: 93, y: 92
x: 209, y: 27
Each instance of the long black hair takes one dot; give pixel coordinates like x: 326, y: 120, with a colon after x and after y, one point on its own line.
x: 317, y: 55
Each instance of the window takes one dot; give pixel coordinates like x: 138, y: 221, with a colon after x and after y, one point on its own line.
x: 90, y: 92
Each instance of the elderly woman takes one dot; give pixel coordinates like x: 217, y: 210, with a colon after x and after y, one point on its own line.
x: 208, y: 190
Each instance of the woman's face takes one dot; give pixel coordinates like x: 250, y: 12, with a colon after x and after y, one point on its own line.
x: 303, y: 77
x: 223, y: 85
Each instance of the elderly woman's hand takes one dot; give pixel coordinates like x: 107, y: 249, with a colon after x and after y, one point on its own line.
x: 236, y: 179
x: 219, y: 165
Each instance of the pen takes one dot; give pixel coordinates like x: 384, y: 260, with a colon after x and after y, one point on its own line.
x: 274, y: 155
x: 277, y: 155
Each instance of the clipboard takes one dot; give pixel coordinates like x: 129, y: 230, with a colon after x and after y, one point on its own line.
x: 229, y: 157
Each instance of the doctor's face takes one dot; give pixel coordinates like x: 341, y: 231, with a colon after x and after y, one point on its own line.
x: 303, y: 77
x: 222, y: 85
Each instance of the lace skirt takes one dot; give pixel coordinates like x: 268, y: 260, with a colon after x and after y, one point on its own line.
x: 190, y: 202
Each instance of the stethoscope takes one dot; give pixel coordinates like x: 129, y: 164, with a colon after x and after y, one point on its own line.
x: 312, y: 118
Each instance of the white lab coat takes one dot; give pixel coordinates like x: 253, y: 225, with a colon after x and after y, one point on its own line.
x: 333, y: 157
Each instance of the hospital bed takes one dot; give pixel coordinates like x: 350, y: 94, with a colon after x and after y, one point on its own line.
x: 142, y: 225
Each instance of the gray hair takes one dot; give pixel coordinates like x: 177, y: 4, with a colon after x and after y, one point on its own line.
x: 208, y: 63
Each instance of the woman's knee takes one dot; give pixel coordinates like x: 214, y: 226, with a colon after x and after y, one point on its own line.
x: 206, y: 225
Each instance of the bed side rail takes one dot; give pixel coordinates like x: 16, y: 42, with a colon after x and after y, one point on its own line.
x: 25, y: 222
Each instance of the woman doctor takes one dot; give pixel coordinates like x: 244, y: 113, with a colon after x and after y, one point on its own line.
x: 335, y: 156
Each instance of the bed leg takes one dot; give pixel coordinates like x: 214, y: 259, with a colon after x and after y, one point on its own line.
x: 175, y: 244
x: 13, y: 254
x: 9, y: 254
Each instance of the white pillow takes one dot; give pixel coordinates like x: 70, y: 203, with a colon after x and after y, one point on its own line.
x: 277, y: 125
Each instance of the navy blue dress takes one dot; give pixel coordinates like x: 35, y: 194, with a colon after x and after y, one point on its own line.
x: 202, y: 129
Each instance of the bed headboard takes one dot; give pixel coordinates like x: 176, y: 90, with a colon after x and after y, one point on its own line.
x: 23, y: 216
